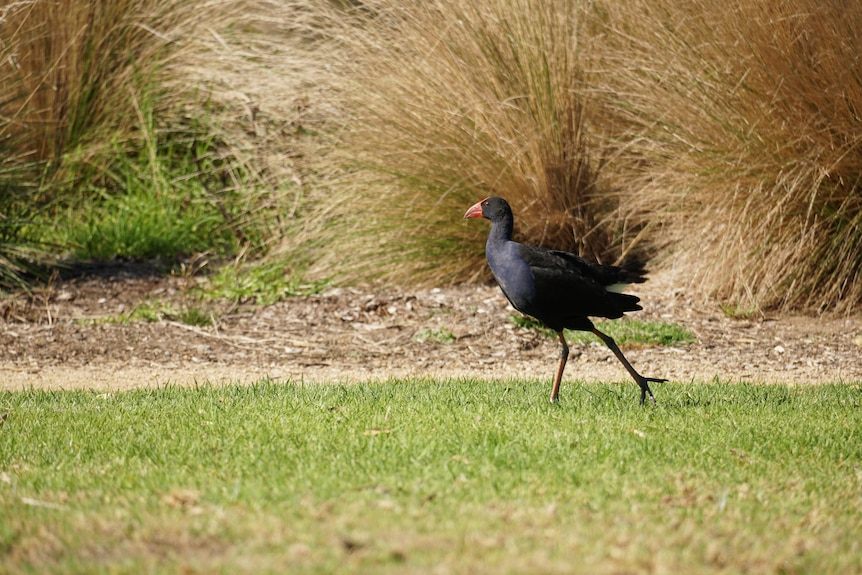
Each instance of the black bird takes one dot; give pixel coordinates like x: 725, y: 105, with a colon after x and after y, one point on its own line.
x: 558, y: 288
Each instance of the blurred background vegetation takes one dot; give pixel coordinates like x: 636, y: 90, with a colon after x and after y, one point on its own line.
x: 343, y: 140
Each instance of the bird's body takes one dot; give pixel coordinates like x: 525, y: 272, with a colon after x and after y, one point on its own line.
x: 560, y: 289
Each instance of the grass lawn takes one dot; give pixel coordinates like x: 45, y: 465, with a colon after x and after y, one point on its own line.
x: 457, y: 476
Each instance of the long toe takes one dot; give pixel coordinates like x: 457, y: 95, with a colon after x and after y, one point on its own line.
x: 651, y: 397
x: 643, y: 382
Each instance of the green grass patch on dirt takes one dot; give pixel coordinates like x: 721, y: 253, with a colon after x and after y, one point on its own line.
x: 261, y: 282
x: 158, y: 310
x: 626, y: 332
x: 442, y: 335
x: 167, y: 200
x: 458, y: 476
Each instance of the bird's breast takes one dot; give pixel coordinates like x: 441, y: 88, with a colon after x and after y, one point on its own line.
x: 513, y: 274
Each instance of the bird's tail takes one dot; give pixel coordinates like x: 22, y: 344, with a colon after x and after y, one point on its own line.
x: 626, y: 302
x: 615, y: 278
x: 633, y: 269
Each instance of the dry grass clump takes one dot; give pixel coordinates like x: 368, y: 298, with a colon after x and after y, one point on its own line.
x: 85, y: 82
x: 744, y: 118
x: 98, y: 99
x: 258, y: 76
x: 449, y: 102
x: 77, y: 68
x: 726, y: 133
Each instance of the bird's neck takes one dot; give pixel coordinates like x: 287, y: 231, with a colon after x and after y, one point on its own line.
x: 501, y: 230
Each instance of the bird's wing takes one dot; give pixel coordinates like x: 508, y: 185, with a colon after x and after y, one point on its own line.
x: 567, y: 268
x: 605, y: 275
x: 569, y: 286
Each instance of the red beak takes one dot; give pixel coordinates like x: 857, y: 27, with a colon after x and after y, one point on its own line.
x: 475, y: 210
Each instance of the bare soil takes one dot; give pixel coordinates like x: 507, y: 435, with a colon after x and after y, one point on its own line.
x: 67, y: 337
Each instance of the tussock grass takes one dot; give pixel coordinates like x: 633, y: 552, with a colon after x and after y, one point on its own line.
x: 17, y: 170
x: 130, y: 107
x: 724, y: 135
x: 416, y: 476
x: 449, y: 102
x: 74, y: 68
x: 350, y: 137
x: 744, y: 123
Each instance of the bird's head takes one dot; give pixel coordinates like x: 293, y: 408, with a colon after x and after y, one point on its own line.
x: 492, y: 208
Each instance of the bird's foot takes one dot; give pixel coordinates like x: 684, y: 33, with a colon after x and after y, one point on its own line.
x: 643, y: 382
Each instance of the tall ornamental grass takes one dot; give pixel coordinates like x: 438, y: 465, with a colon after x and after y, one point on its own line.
x: 135, y: 105
x: 76, y: 69
x: 724, y: 137
x: 448, y: 102
x: 18, y: 169
x: 743, y: 123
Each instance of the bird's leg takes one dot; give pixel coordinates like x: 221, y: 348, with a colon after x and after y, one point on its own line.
x: 641, y: 380
x: 564, y: 357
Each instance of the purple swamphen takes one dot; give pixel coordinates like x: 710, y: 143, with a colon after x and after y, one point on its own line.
x: 559, y: 289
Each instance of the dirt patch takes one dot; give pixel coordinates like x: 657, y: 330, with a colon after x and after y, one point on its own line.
x: 60, y: 339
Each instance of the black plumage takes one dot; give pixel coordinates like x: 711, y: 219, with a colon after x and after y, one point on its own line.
x: 560, y: 289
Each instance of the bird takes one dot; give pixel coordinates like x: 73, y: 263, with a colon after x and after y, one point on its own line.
x: 559, y: 289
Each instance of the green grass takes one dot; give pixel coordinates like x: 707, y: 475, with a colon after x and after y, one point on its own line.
x: 442, y: 335
x: 114, y: 144
x: 156, y: 310
x: 626, y: 332
x: 167, y: 199
x: 261, y: 282
x: 420, y: 476
x: 17, y: 255
x: 145, y: 225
